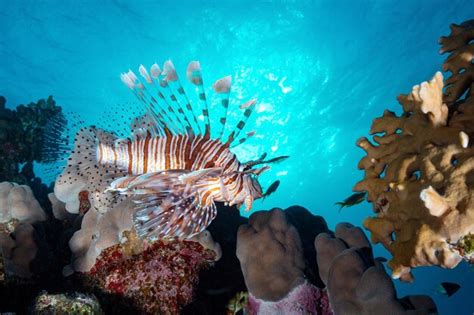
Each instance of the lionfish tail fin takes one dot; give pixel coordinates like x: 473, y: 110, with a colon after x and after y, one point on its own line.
x: 87, y: 167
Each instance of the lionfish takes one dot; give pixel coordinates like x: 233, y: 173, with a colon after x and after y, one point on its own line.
x: 171, y: 167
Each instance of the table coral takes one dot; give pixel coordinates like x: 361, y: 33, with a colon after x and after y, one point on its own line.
x: 159, y: 280
x: 419, y: 174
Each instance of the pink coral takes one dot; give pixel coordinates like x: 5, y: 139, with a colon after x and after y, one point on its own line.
x: 161, y: 279
x: 304, y: 299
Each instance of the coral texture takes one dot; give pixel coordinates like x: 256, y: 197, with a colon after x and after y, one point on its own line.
x: 74, y: 303
x: 18, y: 211
x: 303, y: 299
x: 419, y: 174
x: 356, y: 283
x: 160, y: 280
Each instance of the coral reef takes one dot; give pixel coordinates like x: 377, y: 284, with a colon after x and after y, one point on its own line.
x: 356, y: 283
x: 272, y: 260
x: 419, y: 174
x: 74, y: 303
x: 19, y: 210
x: 159, y: 280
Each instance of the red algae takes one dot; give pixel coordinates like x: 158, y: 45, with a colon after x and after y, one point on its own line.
x: 161, y: 279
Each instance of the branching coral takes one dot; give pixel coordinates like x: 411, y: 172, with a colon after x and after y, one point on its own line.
x: 419, y: 174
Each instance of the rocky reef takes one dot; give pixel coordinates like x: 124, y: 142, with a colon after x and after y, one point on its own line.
x: 271, y: 255
x: 419, y: 170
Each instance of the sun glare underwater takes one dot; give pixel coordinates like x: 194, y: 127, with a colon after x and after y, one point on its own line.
x: 320, y: 72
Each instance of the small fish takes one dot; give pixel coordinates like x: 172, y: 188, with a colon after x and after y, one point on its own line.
x: 262, y: 160
x: 448, y: 288
x: 277, y: 159
x: 381, y: 259
x: 273, y: 187
x: 352, y: 200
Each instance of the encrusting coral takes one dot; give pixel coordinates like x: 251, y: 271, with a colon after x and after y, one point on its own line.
x: 419, y: 174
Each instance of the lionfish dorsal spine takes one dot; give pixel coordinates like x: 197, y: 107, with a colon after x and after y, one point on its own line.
x: 222, y: 87
x: 194, y: 75
x: 162, y: 90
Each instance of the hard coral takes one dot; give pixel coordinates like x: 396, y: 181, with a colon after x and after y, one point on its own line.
x: 19, y: 210
x: 271, y: 256
x: 358, y: 284
x: 419, y: 175
x: 160, y: 280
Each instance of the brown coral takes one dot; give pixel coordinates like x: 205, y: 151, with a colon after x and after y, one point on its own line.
x: 419, y: 174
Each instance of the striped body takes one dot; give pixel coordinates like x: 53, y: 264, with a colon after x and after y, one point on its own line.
x: 182, y: 152
x: 178, y: 152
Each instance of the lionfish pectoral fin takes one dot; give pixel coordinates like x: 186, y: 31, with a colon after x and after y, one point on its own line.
x: 248, y: 202
x: 157, y: 182
x: 195, y: 176
x: 173, y: 216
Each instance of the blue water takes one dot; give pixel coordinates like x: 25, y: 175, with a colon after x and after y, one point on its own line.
x: 322, y: 70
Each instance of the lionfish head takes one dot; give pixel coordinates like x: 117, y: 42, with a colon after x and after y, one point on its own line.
x: 250, y: 189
